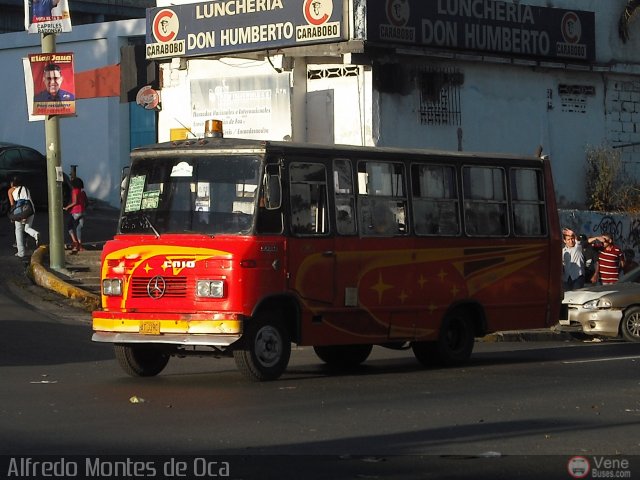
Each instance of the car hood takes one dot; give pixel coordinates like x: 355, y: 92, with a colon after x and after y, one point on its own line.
x: 615, y: 291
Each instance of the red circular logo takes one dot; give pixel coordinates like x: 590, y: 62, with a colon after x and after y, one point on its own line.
x: 571, y: 27
x: 148, y: 98
x: 578, y: 467
x: 317, y: 12
x: 397, y: 12
x: 165, y: 25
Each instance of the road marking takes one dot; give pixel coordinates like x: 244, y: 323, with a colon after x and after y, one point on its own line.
x: 604, y: 359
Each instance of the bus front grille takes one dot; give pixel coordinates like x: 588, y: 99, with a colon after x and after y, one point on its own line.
x: 159, y: 287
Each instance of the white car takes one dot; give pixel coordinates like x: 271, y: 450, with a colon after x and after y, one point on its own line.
x: 604, y: 310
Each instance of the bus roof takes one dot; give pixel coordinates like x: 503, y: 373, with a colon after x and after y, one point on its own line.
x: 212, y: 145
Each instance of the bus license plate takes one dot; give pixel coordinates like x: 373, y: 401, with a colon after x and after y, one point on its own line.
x: 150, y: 327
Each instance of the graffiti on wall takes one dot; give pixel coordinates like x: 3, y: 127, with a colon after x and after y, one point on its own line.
x: 624, y: 228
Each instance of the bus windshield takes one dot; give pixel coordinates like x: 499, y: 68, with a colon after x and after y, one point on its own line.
x: 208, y: 195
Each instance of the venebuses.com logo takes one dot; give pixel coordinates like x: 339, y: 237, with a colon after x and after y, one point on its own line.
x: 599, y: 467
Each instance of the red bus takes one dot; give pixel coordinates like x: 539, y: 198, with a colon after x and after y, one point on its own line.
x: 241, y: 247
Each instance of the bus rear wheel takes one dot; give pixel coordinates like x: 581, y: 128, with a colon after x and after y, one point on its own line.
x: 343, y: 356
x: 454, y: 345
x: 141, y: 360
x: 266, y: 349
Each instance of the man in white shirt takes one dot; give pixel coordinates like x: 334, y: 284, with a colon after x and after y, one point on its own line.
x: 572, y: 261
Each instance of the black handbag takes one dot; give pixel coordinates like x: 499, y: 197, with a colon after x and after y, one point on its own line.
x: 21, y: 210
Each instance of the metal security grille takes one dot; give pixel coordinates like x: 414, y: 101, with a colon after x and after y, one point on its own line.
x: 175, y: 287
x: 440, y: 96
x: 333, y: 72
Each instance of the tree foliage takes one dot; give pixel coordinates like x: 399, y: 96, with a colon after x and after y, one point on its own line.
x: 608, y: 188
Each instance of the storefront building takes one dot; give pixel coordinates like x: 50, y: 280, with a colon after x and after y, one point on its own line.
x: 473, y: 75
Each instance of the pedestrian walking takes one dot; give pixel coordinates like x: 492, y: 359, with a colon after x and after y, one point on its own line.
x: 77, y: 209
x: 21, y: 192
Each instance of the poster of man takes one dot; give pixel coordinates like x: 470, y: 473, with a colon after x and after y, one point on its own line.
x: 53, y: 84
x: 47, y: 16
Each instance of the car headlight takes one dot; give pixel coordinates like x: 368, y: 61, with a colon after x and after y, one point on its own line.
x: 210, y: 288
x: 112, y: 287
x: 596, y: 304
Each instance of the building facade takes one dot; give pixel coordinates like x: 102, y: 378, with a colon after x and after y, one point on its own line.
x: 477, y: 75
x: 472, y: 75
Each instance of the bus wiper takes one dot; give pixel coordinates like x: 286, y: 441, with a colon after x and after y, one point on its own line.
x: 150, y: 225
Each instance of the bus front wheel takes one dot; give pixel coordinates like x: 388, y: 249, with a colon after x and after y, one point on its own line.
x: 343, y: 356
x: 266, y: 349
x: 454, y: 345
x: 141, y: 360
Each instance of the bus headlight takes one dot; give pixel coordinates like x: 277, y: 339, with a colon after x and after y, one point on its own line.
x: 210, y: 288
x: 112, y: 287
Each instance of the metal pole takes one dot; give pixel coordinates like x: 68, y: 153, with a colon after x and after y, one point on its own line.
x: 52, y: 150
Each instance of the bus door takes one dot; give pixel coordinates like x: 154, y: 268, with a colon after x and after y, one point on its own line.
x: 311, y: 246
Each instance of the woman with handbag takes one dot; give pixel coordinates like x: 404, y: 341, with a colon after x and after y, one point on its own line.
x: 22, y: 193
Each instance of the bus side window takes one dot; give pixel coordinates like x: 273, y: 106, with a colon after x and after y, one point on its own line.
x: 485, y: 201
x: 435, y: 200
x: 382, y: 200
x: 308, y: 199
x: 344, y: 197
x: 527, y: 198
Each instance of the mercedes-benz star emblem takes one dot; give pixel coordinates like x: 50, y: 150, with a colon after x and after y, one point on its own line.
x: 156, y: 287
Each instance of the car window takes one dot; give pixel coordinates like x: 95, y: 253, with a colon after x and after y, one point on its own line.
x: 31, y: 160
x: 11, y: 159
x: 632, y: 276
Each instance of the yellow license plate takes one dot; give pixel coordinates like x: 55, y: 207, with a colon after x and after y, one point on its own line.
x: 150, y: 327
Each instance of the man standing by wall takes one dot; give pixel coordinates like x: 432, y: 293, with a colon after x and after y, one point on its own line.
x: 610, y: 261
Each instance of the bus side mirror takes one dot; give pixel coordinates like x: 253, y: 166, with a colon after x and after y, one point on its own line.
x: 272, y: 188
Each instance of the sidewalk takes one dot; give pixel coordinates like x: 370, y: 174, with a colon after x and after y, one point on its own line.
x: 80, y: 280
x: 82, y: 286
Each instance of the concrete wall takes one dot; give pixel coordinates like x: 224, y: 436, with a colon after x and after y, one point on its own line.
x: 624, y: 228
x: 97, y: 138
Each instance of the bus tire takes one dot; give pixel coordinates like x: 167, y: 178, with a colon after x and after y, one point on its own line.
x: 630, y: 325
x: 343, y: 356
x: 141, y: 360
x: 454, y: 345
x: 265, y: 351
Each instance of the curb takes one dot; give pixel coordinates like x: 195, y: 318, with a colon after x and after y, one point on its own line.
x: 536, y: 335
x: 43, y: 277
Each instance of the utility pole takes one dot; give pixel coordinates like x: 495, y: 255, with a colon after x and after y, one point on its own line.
x: 54, y: 170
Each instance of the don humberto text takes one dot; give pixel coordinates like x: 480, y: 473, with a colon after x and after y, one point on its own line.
x: 260, y: 33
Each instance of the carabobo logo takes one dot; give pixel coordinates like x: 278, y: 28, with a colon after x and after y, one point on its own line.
x: 156, y: 287
x: 571, y: 27
x: 397, y: 12
x: 317, y: 12
x: 165, y: 26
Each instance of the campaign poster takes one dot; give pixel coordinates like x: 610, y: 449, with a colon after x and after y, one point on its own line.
x: 53, y: 83
x: 47, y: 16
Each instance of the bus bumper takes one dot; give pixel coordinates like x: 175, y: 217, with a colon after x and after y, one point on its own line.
x: 185, y: 330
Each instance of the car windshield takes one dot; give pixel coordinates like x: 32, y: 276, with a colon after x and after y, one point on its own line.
x: 632, y: 277
x: 208, y: 195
